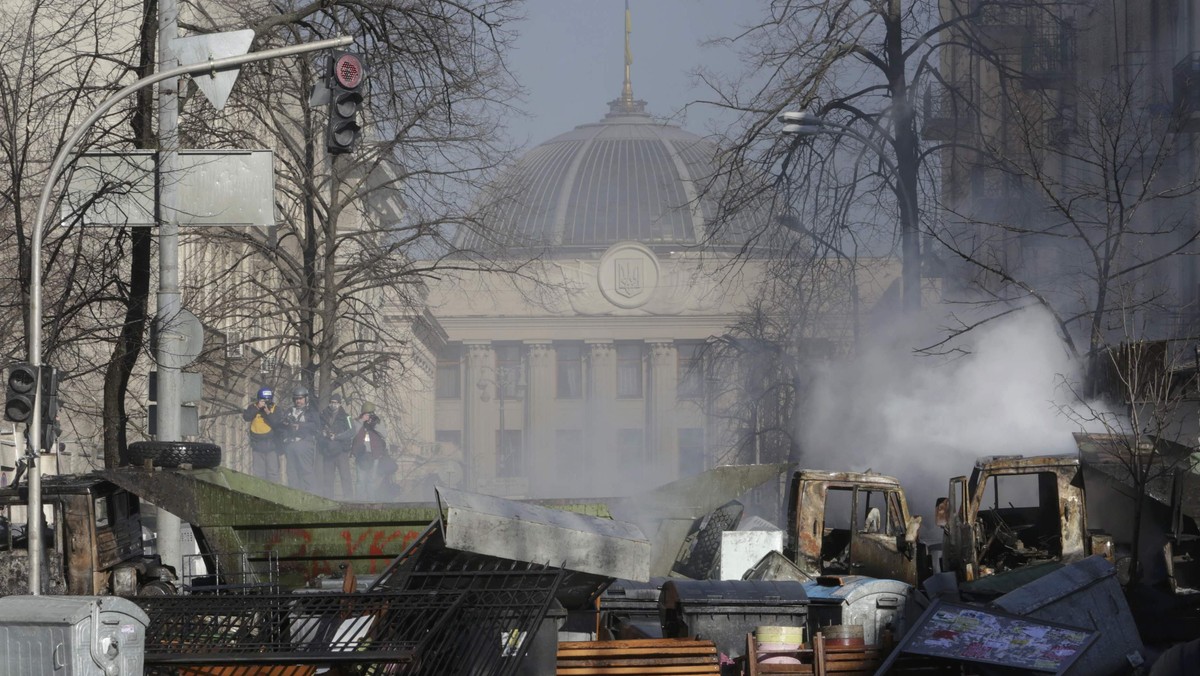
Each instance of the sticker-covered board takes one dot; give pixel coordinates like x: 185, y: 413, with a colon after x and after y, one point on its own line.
x: 978, y: 634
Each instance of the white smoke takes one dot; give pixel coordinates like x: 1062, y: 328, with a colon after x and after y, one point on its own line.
x: 926, y: 419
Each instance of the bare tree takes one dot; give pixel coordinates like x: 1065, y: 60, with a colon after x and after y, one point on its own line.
x: 849, y: 197
x: 1075, y: 202
x: 340, y: 283
x: 63, y: 59
x: 1144, y: 395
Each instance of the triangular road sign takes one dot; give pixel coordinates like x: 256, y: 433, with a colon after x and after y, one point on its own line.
x: 200, y: 48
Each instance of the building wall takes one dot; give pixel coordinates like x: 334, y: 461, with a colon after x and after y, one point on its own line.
x: 1046, y: 120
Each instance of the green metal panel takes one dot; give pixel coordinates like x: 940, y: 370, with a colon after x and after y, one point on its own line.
x: 308, y: 534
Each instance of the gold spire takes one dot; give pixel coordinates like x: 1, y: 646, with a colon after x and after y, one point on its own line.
x: 627, y: 90
x: 626, y: 105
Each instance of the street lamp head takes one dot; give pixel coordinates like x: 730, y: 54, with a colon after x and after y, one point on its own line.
x: 801, y: 123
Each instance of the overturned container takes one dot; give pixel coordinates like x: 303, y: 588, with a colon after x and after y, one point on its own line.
x: 1085, y: 594
x: 724, y: 611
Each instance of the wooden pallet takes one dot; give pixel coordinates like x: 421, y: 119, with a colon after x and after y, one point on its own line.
x: 676, y: 656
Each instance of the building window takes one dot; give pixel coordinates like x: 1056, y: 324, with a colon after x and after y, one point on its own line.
x: 690, y: 383
x: 570, y: 370
x: 449, y: 441
x: 448, y: 383
x: 569, y: 456
x: 630, y: 447
x: 508, y: 371
x: 691, y: 451
x: 510, y: 461
x: 629, y: 371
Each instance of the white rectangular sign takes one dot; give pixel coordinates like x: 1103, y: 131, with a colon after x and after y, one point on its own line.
x: 217, y: 187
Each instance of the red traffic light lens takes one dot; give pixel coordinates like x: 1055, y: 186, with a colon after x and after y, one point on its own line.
x: 21, y: 378
x: 348, y: 71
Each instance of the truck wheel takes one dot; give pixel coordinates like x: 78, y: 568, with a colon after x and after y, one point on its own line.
x: 157, y: 588
x: 172, y: 454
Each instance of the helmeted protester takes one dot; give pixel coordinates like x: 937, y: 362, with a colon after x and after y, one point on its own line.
x: 264, y: 442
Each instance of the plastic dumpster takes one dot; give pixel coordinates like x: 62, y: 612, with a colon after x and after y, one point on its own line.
x: 724, y: 611
x: 629, y: 609
x: 541, y: 656
x: 72, y: 636
x: 875, y: 604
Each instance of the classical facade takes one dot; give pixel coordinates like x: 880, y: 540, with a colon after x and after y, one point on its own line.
x: 590, y: 373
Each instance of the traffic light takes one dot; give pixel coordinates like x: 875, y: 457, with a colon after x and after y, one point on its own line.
x: 347, y: 82
x: 49, y: 404
x: 20, y: 392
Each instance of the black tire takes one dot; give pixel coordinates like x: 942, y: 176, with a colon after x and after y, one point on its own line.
x: 158, y: 588
x: 172, y: 454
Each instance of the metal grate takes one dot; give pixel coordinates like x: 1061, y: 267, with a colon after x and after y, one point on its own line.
x: 443, y: 622
x: 207, y: 573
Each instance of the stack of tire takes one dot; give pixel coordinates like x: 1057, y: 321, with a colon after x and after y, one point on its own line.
x: 172, y: 454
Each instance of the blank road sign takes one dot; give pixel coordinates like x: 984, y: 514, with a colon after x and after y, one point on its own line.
x: 216, y: 187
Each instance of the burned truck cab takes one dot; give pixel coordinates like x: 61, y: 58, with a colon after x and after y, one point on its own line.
x: 853, y: 523
x: 93, y: 537
x: 1016, y: 511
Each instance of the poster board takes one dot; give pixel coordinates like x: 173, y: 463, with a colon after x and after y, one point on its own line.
x: 977, y: 634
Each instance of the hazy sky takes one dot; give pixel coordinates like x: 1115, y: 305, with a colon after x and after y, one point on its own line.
x: 570, y: 58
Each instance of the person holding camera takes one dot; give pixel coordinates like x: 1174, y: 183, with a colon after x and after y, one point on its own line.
x: 376, y: 468
x: 335, y: 446
x: 264, y: 445
x: 299, y: 427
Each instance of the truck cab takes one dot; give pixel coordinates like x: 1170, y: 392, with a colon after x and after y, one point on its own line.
x: 854, y: 523
x: 93, y: 537
x: 1016, y: 511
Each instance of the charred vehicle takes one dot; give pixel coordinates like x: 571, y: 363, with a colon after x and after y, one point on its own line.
x: 93, y: 536
x: 1015, y: 512
x: 853, y: 523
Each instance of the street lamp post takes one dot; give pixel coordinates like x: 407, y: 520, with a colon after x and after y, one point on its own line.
x: 34, y: 344
x: 803, y: 124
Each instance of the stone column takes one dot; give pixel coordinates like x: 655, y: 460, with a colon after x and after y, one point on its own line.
x: 539, y: 413
x: 662, y: 449
x: 479, y: 424
x: 600, y: 432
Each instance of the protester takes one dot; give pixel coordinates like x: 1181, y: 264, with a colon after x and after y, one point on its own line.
x: 299, y: 428
x: 335, y: 447
x: 264, y: 444
x: 376, y: 468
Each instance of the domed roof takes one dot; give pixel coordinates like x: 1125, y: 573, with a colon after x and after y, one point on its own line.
x: 627, y: 177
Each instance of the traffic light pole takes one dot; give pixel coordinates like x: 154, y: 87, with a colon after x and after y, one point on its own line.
x: 167, y: 525
x: 168, y: 249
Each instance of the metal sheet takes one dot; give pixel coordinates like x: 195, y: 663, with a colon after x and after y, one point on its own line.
x: 741, y: 550
x: 1085, y: 593
x: 217, y: 187
x: 507, y: 529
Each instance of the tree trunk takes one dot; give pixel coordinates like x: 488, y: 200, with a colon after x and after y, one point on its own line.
x: 131, y: 338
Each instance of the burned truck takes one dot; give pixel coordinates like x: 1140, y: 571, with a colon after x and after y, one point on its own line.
x: 93, y: 536
x: 1015, y: 512
x: 854, y: 523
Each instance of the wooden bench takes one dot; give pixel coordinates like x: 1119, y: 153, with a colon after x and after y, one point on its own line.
x: 676, y: 656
